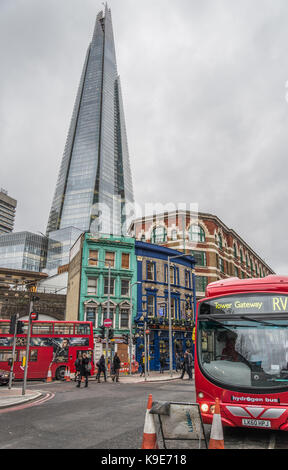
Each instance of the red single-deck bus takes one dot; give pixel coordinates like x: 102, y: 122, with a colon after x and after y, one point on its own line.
x: 52, y: 343
x: 241, y: 354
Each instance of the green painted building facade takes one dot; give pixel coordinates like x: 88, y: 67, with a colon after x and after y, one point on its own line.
x: 88, y: 282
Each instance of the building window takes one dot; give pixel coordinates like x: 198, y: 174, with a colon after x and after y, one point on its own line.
x: 241, y: 256
x: 150, y: 305
x: 109, y: 259
x: 173, y: 307
x: 221, y: 265
x: 220, y: 241
x: 201, y: 283
x: 196, y: 234
x: 235, y: 250
x: 159, y: 234
x: 124, y: 318
x: 125, y: 287
x: 200, y: 258
x: 92, y: 286
x: 174, y: 234
x: 106, y: 287
x: 91, y: 314
x: 187, y: 279
x: 150, y: 271
x: 172, y: 275
x: 93, y: 258
x: 236, y: 271
x: 111, y: 314
x: 125, y: 264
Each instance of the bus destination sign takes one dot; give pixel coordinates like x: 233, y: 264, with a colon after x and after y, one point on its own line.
x: 246, y: 304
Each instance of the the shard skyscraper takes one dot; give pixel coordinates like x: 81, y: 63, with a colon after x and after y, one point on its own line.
x: 94, y: 185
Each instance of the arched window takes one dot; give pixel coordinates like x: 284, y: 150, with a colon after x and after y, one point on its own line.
x: 241, y: 256
x: 235, y: 250
x: 159, y: 234
x: 220, y: 241
x: 196, y: 234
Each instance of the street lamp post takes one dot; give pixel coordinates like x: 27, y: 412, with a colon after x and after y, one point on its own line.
x: 169, y: 313
x: 27, y: 346
x: 108, y: 304
x: 130, y: 328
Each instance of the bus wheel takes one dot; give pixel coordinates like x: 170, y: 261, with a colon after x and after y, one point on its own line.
x: 60, y: 373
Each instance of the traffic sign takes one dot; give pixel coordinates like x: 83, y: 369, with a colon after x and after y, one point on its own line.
x: 107, y: 323
x: 34, y: 315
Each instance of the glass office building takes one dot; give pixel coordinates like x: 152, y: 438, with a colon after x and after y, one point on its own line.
x: 94, y: 185
x: 23, y: 250
x: 59, y: 244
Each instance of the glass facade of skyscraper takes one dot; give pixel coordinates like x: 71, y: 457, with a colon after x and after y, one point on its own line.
x: 95, y: 183
x: 23, y: 250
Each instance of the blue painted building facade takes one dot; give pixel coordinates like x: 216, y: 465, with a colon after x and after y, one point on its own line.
x: 152, y: 302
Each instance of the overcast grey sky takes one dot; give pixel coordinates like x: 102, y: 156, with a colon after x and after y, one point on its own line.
x: 204, y: 89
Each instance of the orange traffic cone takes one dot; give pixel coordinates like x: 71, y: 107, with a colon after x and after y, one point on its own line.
x: 216, y: 436
x: 49, y: 375
x: 67, y: 374
x: 149, y: 434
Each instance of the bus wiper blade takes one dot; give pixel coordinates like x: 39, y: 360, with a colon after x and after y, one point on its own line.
x: 260, y: 321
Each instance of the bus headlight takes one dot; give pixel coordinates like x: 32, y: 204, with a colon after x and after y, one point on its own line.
x: 204, y: 408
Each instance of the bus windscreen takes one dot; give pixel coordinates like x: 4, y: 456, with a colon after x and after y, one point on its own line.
x: 242, y: 341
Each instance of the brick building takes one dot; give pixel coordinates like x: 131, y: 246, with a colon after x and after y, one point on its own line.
x: 219, y: 251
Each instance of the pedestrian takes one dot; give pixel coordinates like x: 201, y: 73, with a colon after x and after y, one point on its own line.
x: 116, y: 367
x: 142, y: 364
x: 162, y: 363
x: 101, y: 368
x: 185, y: 367
x: 84, y: 370
x: 190, y: 364
x: 178, y: 362
x: 77, y: 365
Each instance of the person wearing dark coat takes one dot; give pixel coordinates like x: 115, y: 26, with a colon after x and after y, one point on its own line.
x: 83, y: 370
x: 116, y: 367
x: 162, y: 364
x: 101, y: 368
x: 77, y: 365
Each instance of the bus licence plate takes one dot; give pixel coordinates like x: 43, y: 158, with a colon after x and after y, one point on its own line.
x: 257, y: 423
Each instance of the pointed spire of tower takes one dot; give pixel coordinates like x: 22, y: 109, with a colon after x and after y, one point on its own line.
x: 95, y: 176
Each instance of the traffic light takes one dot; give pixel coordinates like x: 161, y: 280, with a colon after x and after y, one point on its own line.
x: 111, y: 333
x: 102, y: 331
x: 12, y: 324
x: 126, y: 339
x: 20, y: 328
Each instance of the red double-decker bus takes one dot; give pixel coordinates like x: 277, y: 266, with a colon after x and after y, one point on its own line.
x: 53, y: 344
x: 241, y: 354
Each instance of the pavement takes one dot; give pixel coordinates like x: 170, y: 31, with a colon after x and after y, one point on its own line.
x: 13, y: 397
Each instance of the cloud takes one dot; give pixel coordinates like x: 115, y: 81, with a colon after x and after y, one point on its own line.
x: 204, y: 95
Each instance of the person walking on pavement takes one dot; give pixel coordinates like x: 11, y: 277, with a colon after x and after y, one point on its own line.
x: 142, y: 364
x: 77, y: 365
x: 101, y: 368
x: 116, y: 367
x: 178, y: 362
x: 185, y: 366
x: 84, y: 370
x: 190, y: 364
x: 162, y: 363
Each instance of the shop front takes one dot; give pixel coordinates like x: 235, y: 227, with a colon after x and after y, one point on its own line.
x: 157, y: 343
